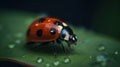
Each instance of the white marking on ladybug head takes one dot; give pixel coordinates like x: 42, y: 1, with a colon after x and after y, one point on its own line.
x: 60, y: 28
x: 64, y: 24
x: 67, y: 37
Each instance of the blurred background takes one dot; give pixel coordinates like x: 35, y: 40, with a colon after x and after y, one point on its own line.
x: 88, y: 18
x: 98, y: 15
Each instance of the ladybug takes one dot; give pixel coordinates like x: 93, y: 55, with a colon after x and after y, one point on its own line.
x: 50, y: 30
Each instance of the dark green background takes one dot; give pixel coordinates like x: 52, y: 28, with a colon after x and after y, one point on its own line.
x: 94, y: 22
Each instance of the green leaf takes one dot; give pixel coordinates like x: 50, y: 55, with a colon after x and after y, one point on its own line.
x: 13, y: 27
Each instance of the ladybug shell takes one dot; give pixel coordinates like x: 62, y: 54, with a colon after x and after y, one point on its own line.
x: 39, y: 30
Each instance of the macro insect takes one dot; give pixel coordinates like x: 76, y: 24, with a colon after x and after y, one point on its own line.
x: 50, y: 30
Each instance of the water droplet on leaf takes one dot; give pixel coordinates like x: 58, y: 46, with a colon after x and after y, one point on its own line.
x: 101, y: 58
x: 56, y: 63
x: 11, y: 45
x: 116, y: 52
x: 67, y: 60
x: 18, y: 41
x: 100, y: 61
x: 101, y: 48
x: 39, y: 60
x: 47, y: 65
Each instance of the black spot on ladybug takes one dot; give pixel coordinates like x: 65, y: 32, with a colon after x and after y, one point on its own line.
x: 39, y: 33
x: 41, y: 20
x: 28, y: 32
x: 53, y: 31
x: 58, y: 23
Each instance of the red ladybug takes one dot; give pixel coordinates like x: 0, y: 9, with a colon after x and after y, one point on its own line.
x: 49, y: 30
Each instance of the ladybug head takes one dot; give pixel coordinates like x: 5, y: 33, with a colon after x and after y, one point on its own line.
x: 68, y: 35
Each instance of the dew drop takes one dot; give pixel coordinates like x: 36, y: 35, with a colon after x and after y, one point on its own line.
x: 47, y: 65
x: 56, y: 63
x: 67, y: 60
x: 11, y: 46
x: 101, y: 48
x: 116, y: 52
x: 101, y: 58
x: 18, y: 41
x: 39, y: 60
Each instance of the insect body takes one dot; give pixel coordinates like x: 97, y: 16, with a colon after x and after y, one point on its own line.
x: 50, y: 30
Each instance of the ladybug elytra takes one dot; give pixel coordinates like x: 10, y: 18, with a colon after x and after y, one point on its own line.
x: 50, y: 30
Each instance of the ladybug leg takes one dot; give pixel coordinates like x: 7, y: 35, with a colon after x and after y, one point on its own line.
x: 59, y: 42
x: 54, y: 47
x: 63, y: 48
x: 69, y: 46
